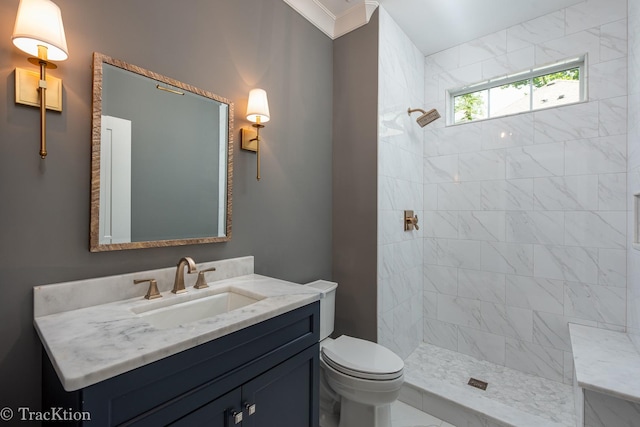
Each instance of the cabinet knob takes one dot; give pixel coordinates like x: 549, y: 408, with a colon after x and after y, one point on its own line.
x: 237, y: 417
x: 251, y: 409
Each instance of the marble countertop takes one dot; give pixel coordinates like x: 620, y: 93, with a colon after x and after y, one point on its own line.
x: 606, y: 361
x: 90, y: 344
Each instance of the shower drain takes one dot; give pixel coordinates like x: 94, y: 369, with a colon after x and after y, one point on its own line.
x: 478, y: 384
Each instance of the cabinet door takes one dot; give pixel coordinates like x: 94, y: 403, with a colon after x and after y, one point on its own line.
x: 285, y: 396
x: 217, y: 413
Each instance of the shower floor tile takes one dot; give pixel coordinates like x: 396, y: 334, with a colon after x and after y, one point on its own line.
x: 511, y: 398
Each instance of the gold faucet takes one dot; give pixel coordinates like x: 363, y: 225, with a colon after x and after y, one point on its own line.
x: 178, y: 284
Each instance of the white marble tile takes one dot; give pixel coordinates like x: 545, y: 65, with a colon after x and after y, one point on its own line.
x: 390, y: 226
x: 568, y: 368
x: 510, y: 195
x: 509, y: 63
x: 440, y: 279
x: 596, y: 229
x: 545, y: 227
x: 460, y: 196
x: 592, y: 302
x: 566, y: 123
x: 608, y: 79
x: 441, y: 61
x: 613, y: 116
x: 601, y: 410
x: 403, y: 415
x: 441, y: 169
x: 440, y: 224
x: 551, y: 330
x: 535, y: 161
x: 482, y: 225
x: 534, y: 359
x: 430, y: 195
x: 459, y: 311
x: 481, y: 285
x: 544, y: 28
x: 430, y: 250
x: 535, y: 293
x: 482, y: 166
x: 509, y: 258
x: 442, y: 334
x: 409, y: 254
x: 457, y: 139
x: 593, y: 13
x: 569, y: 193
x: 612, y: 267
x: 566, y: 263
x: 596, y: 155
x: 634, y: 132
x: 430, y: 304
x: 507, y: 132
x: 385, y: 296
x: 507, y: 321
x: 613, y: 40
x: 483, y: 48
x: 459, y: 253
x: 612, y: 192
x: 459, y: 77
x: 481, y: 345
x: 570, y: 46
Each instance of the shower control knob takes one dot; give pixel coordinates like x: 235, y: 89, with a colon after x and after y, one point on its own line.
x: 410, y: 221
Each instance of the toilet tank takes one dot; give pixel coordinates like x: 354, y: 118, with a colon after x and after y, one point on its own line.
x: 327, y: 305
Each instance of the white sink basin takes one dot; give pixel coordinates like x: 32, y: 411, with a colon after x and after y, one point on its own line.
x: 198, y: 309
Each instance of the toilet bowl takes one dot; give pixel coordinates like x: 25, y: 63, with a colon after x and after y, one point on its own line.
x: 359, y: 379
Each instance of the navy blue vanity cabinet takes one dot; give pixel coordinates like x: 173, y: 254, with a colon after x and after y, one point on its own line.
x: 266, y: 375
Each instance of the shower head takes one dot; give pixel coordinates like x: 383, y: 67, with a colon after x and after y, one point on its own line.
x: 426, y: 117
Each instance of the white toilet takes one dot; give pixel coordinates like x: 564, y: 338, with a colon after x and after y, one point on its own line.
x: 358, y: 379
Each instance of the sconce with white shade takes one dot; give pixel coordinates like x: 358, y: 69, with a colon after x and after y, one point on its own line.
x: 258, y: 113
x: 39, y: 32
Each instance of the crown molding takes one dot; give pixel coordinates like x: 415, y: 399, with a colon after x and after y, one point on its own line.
x: 334, y: 26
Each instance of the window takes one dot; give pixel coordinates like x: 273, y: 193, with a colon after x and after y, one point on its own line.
x: 550, y: 86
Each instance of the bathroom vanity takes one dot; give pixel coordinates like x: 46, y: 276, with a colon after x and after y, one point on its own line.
x: 116, y: 363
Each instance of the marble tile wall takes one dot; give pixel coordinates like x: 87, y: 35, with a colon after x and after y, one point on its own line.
x: 400, y: 187
x: 633, y: 177
x: 525, y: 217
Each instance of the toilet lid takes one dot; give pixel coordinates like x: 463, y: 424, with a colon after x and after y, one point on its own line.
x: 362, y: 359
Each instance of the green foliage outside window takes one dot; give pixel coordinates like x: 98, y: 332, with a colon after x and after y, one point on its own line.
x: 471, y: 106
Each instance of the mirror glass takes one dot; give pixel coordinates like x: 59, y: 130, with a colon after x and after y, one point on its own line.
x: 161, y: 160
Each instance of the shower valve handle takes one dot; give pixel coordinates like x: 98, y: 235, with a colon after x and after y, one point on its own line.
x: 410, y: 221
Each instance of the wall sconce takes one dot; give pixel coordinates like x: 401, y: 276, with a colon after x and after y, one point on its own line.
x: 258, y: 113
x: 39, y: 32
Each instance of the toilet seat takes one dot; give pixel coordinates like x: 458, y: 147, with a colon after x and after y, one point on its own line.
x: 362, y: 359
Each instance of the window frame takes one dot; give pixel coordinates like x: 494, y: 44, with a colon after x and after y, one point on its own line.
x: 579, y: 62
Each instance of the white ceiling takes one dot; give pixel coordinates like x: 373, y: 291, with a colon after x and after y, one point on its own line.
x: 435, y: 25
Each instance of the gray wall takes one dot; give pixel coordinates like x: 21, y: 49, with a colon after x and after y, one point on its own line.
x: 355, y: 180
x: 226, y: 47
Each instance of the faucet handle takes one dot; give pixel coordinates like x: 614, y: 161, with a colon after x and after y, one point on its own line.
x: 201, y: 283
x: 152, y: 292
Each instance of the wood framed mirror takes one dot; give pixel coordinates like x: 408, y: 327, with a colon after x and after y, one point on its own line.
x: 161, y: 160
